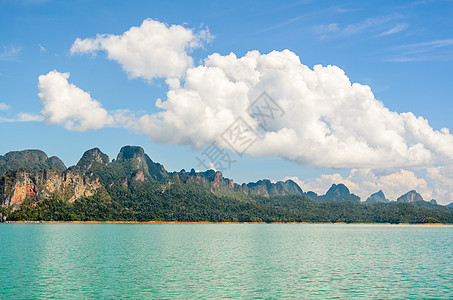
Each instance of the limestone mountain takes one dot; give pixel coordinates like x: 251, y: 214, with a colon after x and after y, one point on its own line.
x: 221, y: 185
x: 21, y: 185
x: 133, y: 187
x: 376, y: 198
x: 337, y: 193
x: 90, y: 157
x: 31, y: 160
x: 311, y: 195
x: 410, y: 197
x: 131, y: 165
x: 267, y: 188
x: 136, y: 163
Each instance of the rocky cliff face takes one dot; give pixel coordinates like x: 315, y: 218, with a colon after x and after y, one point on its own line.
x: 90, y: 157
x: 20, y: 185
x: 216, y: 181
x: 337, y: 193
x: 134, y: 159
x: 410, y: 197
x: 376, y: 197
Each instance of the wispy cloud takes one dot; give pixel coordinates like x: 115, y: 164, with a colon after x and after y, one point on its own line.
x: 321, y: 14
x: 335, y: 30
x: 423, y: 51
x: 4, y: 106
x: 22, y: 117
x: 42, y: 49
x: 342, y: 10
x: 397, y: 28
x: 368, y: 23
x: 427, y: 46
x: 283, y: 24
x: 10, y: 53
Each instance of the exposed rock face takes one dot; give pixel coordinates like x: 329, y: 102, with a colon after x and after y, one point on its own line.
x: 336, y: 193
x: 215, y: 180
x: 134, y: 159
x: 410, y: 197
x: 376, y: 197
x: 139, y: 176
x: 92, y: 156
x: 29, y: 159
x: 433, y: 201
x: 19, y: 185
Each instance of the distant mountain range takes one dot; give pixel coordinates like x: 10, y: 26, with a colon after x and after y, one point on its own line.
x: 126, y: 185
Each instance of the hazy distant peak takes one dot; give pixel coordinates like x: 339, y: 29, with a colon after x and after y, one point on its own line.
x: 377, y: 197
x: 410, y: 197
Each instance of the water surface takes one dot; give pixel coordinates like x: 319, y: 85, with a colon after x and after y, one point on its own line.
x: 167, y: 261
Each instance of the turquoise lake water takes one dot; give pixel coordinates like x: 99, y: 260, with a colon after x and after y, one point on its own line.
x: 168, y: 261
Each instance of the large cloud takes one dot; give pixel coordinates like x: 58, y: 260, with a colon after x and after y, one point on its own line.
x: 153, y: 50
x: 327, y: 121
x: 66, y: 104
x: 321, y: 119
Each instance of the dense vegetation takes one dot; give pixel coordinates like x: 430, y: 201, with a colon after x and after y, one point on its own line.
x: 134, y: 188
x: 192, y: 203
x: 30, y: 160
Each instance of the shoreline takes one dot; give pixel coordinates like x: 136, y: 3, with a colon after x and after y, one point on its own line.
x: 206, y: 222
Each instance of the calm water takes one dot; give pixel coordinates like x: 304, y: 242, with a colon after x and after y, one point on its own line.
x: 225, y: 261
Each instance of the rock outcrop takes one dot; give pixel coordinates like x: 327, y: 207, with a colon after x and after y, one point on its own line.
x: 337, y: 193
x: 133, y: 159
x: 376, y: 197
x: 20, y: 185
x: 91, y: 157
x: 216, y: 181
x: 410, y: 197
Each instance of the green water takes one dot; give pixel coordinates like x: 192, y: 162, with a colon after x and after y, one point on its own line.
x: 167, y: 261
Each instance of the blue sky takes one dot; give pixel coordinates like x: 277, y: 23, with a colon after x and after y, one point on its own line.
x: 403, y: 52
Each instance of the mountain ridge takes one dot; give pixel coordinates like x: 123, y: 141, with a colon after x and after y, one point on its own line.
x: 139, y: 166
x: 410, y: 197
x: 376, y: 198
x: 31, y: 159
x: 133, y: 179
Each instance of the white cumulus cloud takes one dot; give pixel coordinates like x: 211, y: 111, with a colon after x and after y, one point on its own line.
x: 152, y: 50
x: 67, y: 105
x: 328, y: 121
x: 441, y: 182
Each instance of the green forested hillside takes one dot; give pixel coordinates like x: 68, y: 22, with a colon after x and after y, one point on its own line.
x: 193, y: 203
x: 30, y: 160
x: 134, y: 188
